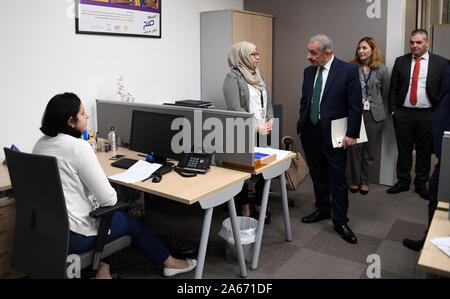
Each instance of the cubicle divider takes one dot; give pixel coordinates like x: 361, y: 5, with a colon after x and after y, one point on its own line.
x: 230, y: 133
x: 444, y: 174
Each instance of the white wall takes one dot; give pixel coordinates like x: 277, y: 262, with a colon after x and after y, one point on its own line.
x: 40, y: 56
x: 395, y: 40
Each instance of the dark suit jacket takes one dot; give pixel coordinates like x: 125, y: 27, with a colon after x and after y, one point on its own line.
x: 401, y: 74
x: 441, y: 121
x: 342, y: 97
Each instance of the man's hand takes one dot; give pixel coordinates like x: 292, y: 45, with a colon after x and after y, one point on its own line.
x: 348, y: 142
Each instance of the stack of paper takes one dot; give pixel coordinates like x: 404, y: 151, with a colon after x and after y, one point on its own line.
x: 140, y: 171
x: 443, y: 244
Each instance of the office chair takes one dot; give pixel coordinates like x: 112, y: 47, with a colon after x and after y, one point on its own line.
x: 41, y: 236
x: 278, y: 113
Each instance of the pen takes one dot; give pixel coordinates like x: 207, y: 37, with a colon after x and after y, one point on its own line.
x: 147, y: 178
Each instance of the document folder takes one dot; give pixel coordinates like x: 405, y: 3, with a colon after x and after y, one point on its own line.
x: 339, y: 129
x: 193, y: 103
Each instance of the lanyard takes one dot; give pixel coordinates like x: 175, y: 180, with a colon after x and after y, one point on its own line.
x: 366, y: 79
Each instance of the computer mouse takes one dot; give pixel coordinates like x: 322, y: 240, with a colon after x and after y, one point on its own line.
x: 156, y: 179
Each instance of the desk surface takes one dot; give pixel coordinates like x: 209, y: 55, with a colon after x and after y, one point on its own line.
x: 443, y: 206
x: 273, y: 164
x: 432, y: 259
x: 173, y: 186
x: 5, y: 183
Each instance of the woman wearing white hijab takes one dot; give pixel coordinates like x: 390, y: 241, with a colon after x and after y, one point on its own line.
x: 245, y: 90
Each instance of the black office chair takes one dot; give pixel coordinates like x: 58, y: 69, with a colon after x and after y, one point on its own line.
x: 41, y: 236
x: 278, y: 113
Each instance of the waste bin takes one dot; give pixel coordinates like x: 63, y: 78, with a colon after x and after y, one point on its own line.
x: 247, y: 231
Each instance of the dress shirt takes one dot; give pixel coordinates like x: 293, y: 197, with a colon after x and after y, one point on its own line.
x: 84, y: 183
x: 259, y: 111
x: 325, y: 72
x: 422, y: 98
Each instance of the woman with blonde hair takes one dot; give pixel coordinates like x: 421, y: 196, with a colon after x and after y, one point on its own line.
x: 374, y: 78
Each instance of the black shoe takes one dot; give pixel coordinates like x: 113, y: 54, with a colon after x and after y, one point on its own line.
x: 353, y: 190
x: 413, y: 245
x: 423, y: 192
x: 364, y: 192
x: 346, y: 233
x: 397, y: 188
x: 316, y: 216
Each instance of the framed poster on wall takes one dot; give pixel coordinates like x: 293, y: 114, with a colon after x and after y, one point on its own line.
x: 141, y: 18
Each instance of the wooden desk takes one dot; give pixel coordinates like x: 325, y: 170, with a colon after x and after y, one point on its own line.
x: 184, y: 190
x: 432, y: 259
x: 7, y: 223
x: 270, y: 171
x: 217, y: 186
x: 5, y: 183
x: 444, y: 206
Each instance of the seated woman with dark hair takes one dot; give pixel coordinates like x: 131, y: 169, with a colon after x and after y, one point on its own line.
x: 86, y: 188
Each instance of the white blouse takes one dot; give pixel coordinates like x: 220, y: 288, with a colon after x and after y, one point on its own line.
x: 84, y: 183
x: 259, y: 110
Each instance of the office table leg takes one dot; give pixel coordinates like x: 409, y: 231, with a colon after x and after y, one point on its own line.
x: 260, y: 229
x: 208, y: 204
x: 284, y: 200
x: 203, y: 243
x: 237, y: 239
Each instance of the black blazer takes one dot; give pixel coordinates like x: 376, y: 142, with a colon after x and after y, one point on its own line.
x: 401, y: 75
x: 342, y: 97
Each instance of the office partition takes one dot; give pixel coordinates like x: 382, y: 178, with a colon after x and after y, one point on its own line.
x: 230, y: 134
x: 444, y: 175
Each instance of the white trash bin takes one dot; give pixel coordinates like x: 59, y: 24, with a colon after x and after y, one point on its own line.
x: 247, y: 231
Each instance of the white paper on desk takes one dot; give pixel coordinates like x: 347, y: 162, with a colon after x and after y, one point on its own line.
x: 339, y: 130
x: 271, y: 151
x: 443, y: 244
x: 136, y: 173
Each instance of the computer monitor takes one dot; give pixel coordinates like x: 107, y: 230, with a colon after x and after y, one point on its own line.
x: 152, y: 133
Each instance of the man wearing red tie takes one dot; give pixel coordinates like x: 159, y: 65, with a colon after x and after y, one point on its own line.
x: 416, y: 83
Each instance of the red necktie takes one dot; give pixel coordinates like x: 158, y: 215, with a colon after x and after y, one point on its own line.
x: 415, y: 80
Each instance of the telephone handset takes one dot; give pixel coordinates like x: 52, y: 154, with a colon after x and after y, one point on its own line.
x: 195, y: 162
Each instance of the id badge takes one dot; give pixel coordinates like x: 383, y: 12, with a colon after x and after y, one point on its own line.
x: 366, y: 106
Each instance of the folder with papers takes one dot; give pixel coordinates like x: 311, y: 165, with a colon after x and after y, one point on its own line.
x: 339, y: 129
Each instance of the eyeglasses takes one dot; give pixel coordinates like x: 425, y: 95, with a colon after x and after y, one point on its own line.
x: 255, y: 54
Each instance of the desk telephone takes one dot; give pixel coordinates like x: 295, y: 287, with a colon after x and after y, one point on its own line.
x: 195, y: 162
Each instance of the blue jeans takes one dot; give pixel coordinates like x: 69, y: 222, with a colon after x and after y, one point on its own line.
x: 125, y: 224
